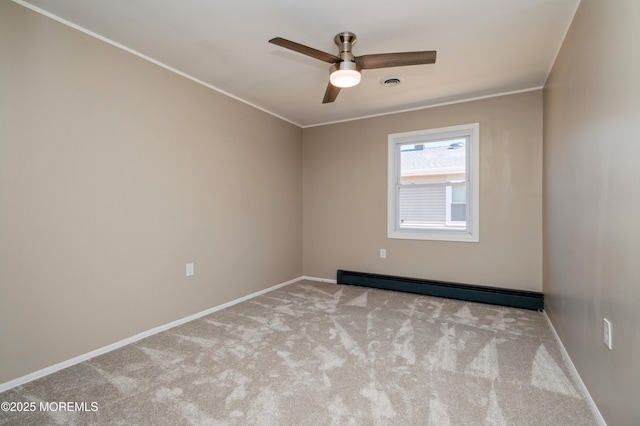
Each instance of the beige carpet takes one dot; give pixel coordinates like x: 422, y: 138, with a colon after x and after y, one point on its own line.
x: 321, y: 354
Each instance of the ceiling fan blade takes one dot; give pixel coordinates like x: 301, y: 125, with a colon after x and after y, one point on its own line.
x: 386, y: 60
x: 330, y: 94
x: 305, y: 50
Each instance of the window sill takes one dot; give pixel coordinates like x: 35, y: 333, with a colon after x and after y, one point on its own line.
x: 433, y: 235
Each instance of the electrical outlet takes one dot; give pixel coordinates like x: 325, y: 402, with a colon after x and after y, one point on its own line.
x: 190, y: 269
x: 383, y: 253
x: 607, y: 334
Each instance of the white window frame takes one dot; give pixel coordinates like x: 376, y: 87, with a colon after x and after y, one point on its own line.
x: 472, y: 231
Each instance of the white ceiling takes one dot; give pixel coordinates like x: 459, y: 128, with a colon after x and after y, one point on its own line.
x: 485, y: 47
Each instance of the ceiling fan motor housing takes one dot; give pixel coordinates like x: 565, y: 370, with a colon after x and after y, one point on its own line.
x: 345, y: 41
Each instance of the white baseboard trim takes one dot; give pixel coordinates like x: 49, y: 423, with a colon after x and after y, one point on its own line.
x: 322, y: 280
x: 576, y: 375
x: 81, y: 358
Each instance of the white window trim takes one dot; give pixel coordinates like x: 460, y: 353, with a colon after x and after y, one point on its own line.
x: 472, y: 232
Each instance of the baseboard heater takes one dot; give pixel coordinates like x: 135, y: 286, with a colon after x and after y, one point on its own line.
x: 497, y: 296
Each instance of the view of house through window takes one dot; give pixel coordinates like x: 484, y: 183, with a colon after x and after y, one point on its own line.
x: 433, y: 184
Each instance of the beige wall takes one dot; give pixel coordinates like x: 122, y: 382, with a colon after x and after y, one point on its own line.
x: 592, y: 201
x: 345, y: 197
x: 114, y: 173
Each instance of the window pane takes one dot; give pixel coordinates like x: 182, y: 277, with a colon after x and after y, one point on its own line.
x: 435, y: 162
x: 439, y: 162
x: 459, y: 194
x: 459, y: 212
x: 422, y: 207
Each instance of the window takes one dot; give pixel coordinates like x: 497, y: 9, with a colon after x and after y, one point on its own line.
x: 433, y: 184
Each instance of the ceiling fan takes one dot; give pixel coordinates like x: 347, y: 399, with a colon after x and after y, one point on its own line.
x: 345, y: 68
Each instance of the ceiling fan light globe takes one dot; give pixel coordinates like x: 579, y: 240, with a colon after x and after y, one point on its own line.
x: 345, y: 78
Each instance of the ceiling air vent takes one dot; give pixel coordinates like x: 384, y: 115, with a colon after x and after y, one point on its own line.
x: 391, y: 81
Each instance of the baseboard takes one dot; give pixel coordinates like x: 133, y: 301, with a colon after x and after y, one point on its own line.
x: 81, y: 358
x: 576, y: 376
x: 322, y: 280
x: 494, y: 295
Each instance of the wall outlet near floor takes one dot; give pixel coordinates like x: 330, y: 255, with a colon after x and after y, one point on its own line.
x: 607, y: 333
x: 190, y: 269
x: 383, y: 253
